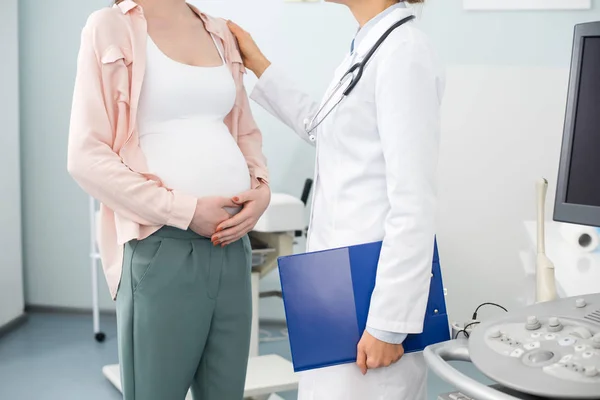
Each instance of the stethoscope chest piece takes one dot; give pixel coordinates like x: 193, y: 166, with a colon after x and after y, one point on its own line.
x: 309, y: 130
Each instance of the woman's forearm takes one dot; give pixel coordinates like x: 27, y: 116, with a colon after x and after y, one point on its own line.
x: 129, y: 194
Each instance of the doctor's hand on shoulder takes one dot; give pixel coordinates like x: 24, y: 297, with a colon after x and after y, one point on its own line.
x: 253, y: 58
x: 374, y: 353
x: 254, y: 202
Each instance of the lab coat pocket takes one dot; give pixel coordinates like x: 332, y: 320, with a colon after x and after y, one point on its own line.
x: 145, y: 255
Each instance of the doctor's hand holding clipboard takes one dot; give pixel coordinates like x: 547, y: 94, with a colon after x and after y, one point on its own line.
x: 376, y: 133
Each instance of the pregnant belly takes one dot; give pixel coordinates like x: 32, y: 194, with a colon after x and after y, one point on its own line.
x: 200, y: 161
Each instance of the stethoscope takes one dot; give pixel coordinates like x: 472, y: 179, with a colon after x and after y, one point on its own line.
x: 351, y: 78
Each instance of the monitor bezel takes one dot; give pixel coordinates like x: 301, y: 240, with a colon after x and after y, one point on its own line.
x: 563, y: 211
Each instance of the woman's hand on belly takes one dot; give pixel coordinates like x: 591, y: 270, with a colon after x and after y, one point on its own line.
x: 210, y: 212
x: 254, y: 203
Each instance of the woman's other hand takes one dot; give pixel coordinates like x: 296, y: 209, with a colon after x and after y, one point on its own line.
x: 210, y: 212
x: 253, y: 58
x: 254, y: 203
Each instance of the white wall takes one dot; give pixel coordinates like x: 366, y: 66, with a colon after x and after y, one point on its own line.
x: 55, y: 218
x: 502, y: 131
x: 11, y: 269
x: 507, y: 74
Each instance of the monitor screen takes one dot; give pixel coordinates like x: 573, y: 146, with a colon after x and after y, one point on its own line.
x: 583, y: 185
x: 578, y: 186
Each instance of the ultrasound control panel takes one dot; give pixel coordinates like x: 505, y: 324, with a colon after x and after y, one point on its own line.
x: 550, y: 349
x: 562, y: 348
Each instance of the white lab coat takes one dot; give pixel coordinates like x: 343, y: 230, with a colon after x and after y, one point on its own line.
x: 375, y: 180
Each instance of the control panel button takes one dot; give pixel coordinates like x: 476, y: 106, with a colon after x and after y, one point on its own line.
x: 596, y: 341
x: 532, y: 346
x: 568, y: 341
x: 581, y: 332
x: 517, y: 353
x: 532, y: 323
x: 554, y: 324
x: 495, y: 333
x: 587, y: 354
x: 591, y: 371
x: 580, y: 348
x: 550, y: 336
x: 580, y: 303
x: 566, y: 359
x: 541, y: 357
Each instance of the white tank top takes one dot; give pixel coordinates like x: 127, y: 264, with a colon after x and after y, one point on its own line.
x: 181, y: 129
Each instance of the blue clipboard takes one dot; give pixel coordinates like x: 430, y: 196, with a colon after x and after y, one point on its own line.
x: 327, y: 295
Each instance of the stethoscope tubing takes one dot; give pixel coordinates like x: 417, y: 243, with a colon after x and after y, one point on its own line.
x: 355, y: 72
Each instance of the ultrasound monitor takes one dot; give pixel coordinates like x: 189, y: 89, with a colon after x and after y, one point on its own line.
x: 578, y: 186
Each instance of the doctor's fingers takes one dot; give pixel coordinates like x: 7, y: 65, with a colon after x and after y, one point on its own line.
x: 361, y: 361
x: 243, y: 37
x: 378, y: 362
x: 382, y: 360
x: 248, y: 47
x: 235, y: 28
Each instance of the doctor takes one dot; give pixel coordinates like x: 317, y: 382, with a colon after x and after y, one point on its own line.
x: 377, y: 152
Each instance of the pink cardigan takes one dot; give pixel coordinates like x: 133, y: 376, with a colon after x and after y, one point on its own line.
x: 104, y: 156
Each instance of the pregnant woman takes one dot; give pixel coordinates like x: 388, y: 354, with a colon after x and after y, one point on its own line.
x: 161, y: 133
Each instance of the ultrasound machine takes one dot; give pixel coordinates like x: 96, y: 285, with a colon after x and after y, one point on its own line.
x: 550, y: 350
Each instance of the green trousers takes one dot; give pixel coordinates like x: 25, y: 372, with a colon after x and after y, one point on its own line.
x: 184, y: 314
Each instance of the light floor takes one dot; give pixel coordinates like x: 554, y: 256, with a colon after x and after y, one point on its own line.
x: 54, y: 357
